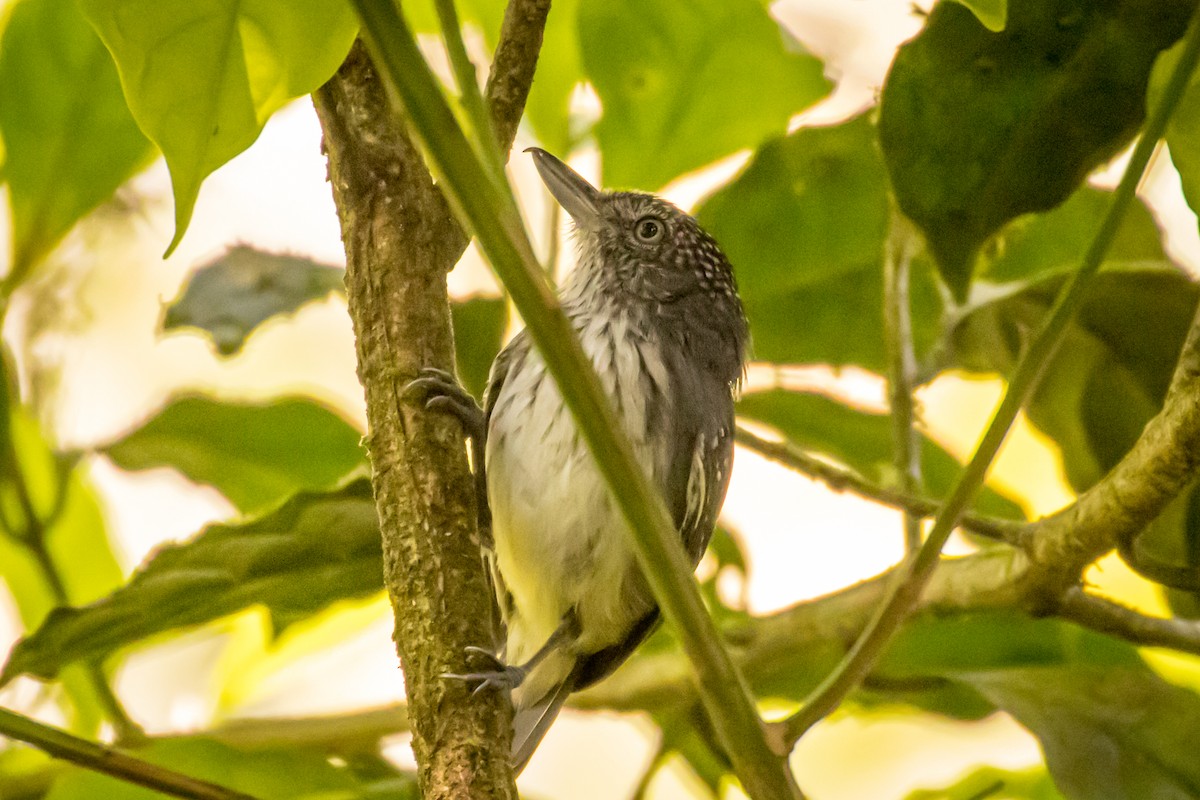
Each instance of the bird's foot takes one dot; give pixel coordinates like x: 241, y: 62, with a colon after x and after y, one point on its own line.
x: 443, y: 393
x: 502, y: 676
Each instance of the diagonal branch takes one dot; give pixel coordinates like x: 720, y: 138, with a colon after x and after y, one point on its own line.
x: 489, y: 207
x: 842, y: 479
x: 1162, y: 463
x: 110, y: 761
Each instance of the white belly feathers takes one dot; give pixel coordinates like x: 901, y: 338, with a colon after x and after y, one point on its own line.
x: 558, y: 536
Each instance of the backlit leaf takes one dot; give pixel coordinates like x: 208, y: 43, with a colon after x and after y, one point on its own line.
x: 203, y: 76
x: 669, y: 74
x: 69, y: 138
x: 254, y: 454
x: 312, y: 551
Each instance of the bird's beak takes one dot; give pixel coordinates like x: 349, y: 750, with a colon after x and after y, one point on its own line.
x: 578, y: 197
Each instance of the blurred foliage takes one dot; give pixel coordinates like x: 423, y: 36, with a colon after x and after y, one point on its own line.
x: 241, y: 289
x: 989, y: 123
x: 255, y: 454
x: 69, y: 138
x: 981, y: 127
x: 315, y: 549
x: 989, y: 783
x: 201, y: 78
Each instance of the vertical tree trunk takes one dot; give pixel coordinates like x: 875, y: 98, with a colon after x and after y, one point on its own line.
x: 400, y: 241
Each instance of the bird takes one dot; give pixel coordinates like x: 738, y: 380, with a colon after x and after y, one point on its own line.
x: 655, y: 304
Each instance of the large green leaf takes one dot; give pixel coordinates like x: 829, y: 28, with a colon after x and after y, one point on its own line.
x: 255, y: 454
x: 1106, y: 382
x: 1041, y: 245
x: 683, y: 84
x: 979, y: 127
x: 858, y: 439
x: 312, y: 551
x: 1109, y: 733
x: 1114, y: 366
x: 236, y: 292
x: 805, y: 226
x: 69, y: 137
x: 203, y: 76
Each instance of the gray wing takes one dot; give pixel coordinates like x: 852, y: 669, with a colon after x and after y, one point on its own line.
x: 511, y: 356
x: 697, y: 480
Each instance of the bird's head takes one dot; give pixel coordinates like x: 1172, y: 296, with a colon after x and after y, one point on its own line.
x: 637, y: 243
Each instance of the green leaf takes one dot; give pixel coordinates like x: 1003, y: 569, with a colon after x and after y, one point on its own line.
x: 265, y: 774
x: 68, y: 525
x: 669, y: 75
x: 203, y: 76
x: 999, y: 640
x: 312, y: 551
x: 1113, y: 369
x: 1108, y: 733
x: 860, y: 440
x: 234, y: 293
x: 980, y: 127
x: 69, y: 137
x: 991, y: 13
x: 804, y: 227
x: 254, y: 454
x: 1041, y: 245
x: 924, y: 665
x: 990, y: 783
x: 479, y: 325
x: 1107, y: 380
x: 1183, y: 130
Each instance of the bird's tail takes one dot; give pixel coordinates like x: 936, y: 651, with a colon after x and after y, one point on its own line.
x: 530, y: 724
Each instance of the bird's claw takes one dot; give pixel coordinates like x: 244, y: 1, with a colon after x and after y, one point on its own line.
x: 443, y: 393
x: 504, y: 677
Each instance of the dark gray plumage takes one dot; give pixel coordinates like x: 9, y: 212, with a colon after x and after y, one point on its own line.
x: 656, y: 308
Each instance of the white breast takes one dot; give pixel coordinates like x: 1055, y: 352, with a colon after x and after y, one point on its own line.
x: 560, y: 543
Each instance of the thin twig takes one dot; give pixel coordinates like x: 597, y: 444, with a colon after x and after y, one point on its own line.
x: 110, y: 761
x: 33, y: 539
x: 468, y: 87
x: 883, y: 626
x: 1116, y: 620
x: 902, y: 367
x: 842, y: 479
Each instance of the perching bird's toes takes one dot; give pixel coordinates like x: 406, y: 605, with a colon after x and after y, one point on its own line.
x: 443, y: 393
x: 503, y: 676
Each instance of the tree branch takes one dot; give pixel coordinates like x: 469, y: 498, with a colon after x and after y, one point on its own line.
x: 902, y: 366
x: 1116, y: 620
x: 401, y: 240
x: 110, y: 761
x: 1161, y: 464
x: 841, y: 479
x: 1025, y: 376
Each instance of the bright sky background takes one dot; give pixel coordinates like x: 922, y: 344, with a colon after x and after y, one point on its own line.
x: 802, y: 540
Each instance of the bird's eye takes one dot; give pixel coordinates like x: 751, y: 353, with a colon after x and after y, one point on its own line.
x: 648, y: 230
